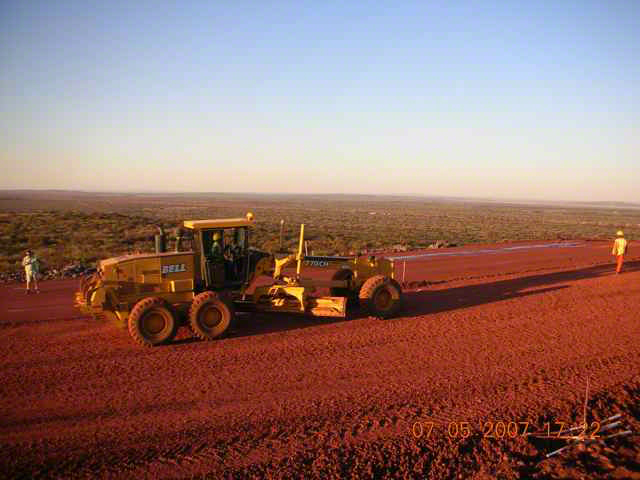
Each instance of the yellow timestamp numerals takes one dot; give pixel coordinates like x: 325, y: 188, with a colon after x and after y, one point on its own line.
x: 452, y: 429
x: 504, y: 429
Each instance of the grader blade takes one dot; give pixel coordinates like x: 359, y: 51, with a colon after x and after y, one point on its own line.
x: 314, y: 306
x: 288, y: 304
x: 326, y: 306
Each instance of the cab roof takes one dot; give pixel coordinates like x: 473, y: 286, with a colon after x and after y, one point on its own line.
x: 218, y: 223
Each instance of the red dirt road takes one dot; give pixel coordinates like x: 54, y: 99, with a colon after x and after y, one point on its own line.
x: 510, y: 336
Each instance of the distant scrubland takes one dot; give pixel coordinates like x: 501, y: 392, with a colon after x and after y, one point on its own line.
x: 76, y: 227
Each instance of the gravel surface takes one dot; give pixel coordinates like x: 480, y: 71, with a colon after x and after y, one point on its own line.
x: 510, y: 336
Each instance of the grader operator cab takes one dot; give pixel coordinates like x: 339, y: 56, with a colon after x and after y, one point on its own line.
x: 224, y: 260
x: 153, y: 294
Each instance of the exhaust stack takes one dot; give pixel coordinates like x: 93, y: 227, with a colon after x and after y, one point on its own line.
x: 160, y: 241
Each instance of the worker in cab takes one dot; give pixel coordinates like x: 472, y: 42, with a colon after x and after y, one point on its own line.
x: 216, y: 261
x: 217, y: 254
x: 619, y: 250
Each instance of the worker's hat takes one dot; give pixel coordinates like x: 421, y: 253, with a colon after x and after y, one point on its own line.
x: 216, y: 236
x: 620, y: 233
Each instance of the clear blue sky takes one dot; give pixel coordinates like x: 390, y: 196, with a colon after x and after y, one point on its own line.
x: 535, y: 99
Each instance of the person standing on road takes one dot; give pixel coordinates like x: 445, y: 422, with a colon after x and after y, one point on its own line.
x: 619, y: 250
x: 31, y: 270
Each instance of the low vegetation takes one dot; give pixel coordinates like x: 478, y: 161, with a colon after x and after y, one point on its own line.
x: 66, y: 227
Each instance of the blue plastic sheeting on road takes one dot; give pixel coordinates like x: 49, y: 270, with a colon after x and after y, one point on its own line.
x: 487, y: 251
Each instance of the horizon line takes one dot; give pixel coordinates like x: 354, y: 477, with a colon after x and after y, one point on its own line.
x: 326, y: 194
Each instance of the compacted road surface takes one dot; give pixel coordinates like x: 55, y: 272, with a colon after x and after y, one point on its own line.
x: 500, y: 335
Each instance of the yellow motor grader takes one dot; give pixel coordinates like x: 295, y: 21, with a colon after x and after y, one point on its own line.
x: 154, y: 293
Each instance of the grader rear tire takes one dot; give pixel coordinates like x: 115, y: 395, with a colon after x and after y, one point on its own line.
x: 209, y: 316
x: 381, y: 296
x: 152, y: 322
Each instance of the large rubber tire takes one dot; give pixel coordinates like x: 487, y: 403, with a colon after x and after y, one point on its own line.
x: 381, y: 296
x: 152, y: 322
x: 210, y: 316
x: 343, y: 274
x: 351, y: 295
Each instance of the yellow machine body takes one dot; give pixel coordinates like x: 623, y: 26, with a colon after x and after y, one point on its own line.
x: 120, y: 283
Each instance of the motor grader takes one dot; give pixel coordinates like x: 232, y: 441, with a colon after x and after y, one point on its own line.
x: 154, y: 293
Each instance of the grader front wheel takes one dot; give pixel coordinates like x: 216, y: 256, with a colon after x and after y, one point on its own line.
x: 152, y: 322
x: 210, y: 317
x: 381, y: 296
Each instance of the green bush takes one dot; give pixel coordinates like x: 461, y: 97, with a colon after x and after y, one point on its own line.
x: 61, y: 234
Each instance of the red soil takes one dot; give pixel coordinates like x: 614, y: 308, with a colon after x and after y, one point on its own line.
x: 509, y: 336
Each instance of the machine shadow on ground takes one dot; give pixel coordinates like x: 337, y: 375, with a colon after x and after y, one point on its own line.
x: 263, y: 323
x: 418, y: 303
